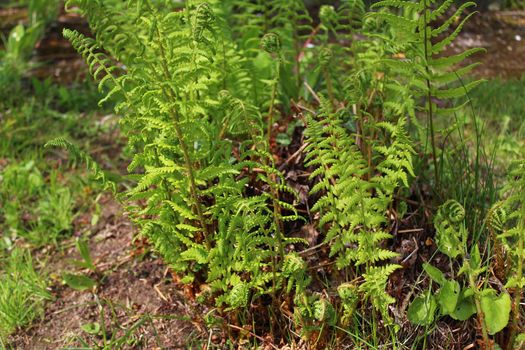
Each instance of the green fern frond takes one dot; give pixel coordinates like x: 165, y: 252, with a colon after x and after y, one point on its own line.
x: 374, y: 288
x: 81, y: 156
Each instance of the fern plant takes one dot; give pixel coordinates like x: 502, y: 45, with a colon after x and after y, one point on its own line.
x: 293, y: 23
x: 455, y: 301
x: 507, y: 220
x: 354, y: 206
x: 363, y: 157
x: 417, y: 54
x: 338, y: 25
x: 186, y: 98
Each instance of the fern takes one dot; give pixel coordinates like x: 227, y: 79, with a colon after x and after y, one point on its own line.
x: 516, y: 213
x: 115, y: 29
x: 352, y: 206
x: 451, y: 234
x: 200, y: 89
x: 81, y: 156
x: 427, y: 72
x: 101, y: 67
x: 292, y: 22
x: 187, y: 106
x: 507, y: 220
x: 349, y: 295
x: 335, y: 59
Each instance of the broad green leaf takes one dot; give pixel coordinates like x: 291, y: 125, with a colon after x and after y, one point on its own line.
x: 465, y: 307
x: 434, y: 273
x: 83, y: 248
x: 422, y: 309
x: 448, y: 297
x: 283, y: 139
x: 496, y: 310
x: 78, y: 282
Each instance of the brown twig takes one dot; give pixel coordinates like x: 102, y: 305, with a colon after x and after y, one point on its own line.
x: 253, y: 335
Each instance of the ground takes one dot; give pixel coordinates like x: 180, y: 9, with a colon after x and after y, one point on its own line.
x: 137, y: 300
x: 138, y: 290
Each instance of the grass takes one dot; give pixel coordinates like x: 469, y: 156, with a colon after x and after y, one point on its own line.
x: 36, y: 207
x: 39, y: 196
x: 23, y: 292
x: 501, y: 106
x: 492, y: 123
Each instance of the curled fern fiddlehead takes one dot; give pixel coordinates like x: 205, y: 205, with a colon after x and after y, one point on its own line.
x: 328, y: 17
x: 295, y: 270
x: 239, y: 295
x: 271, y: 43
x: 349, y: 294
x: 452, y: 210
x: 204, y: 20
x: 450, y: 229
x: 496, y: 218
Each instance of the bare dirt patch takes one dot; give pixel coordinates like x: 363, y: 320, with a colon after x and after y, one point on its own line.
x: 135, y: 295
x: 502, y: 34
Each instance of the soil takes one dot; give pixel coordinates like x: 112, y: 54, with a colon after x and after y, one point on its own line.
x: 502, y: 34
x: 137, y: 289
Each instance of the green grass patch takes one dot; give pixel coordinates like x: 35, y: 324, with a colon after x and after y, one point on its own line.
x: 22, y: 292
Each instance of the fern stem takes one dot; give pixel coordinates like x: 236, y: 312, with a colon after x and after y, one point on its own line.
x: 274, y: 193
x: 477, y: 301
x: 298, y: 51
x: 180, y: 136
x: 519, y: 276
x: 429, y: 96
x: 270, y: 112
x: 330, y: 87
x: 193, y: 186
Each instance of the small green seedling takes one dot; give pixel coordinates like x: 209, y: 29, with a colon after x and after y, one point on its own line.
x: 86, y: 261
x: 81, y: 282
x: 78, y: 282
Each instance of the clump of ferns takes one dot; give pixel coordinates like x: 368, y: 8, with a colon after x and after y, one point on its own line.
x: 186, y: 115
x: 202, y: 131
